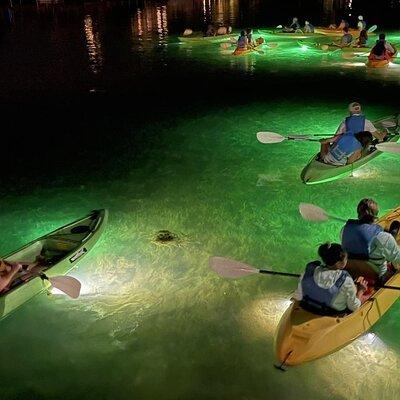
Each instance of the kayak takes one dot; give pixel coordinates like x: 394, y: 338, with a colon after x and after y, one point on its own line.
x: 378, y: 63
x: 339, y: 33
x: 289, y: 35
x: 318, y: 172
x: 59, y: 251
x: 347, y: 49
x: 242, y: 52
x: 302, y: 336
x: 198, y: 38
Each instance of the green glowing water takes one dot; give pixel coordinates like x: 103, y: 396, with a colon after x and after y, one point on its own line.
x: 153, y: 321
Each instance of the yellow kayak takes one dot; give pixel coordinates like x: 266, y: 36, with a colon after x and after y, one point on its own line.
x: 302, y: 336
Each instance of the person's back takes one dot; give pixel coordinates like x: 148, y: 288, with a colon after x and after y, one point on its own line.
x: 308, y: 28
x: 347, y: 149
x: 366, y: 240
x: 361, y: 23
x: 363, y: 38
x: 347, y: 37
x: 242, y: 41
x: 327, y: 289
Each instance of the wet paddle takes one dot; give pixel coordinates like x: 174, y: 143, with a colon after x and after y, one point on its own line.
x: 389, y: 147
x: 228, y: 268
x: 272, y: 137
x: 310, y: 212
x: 67, y: 284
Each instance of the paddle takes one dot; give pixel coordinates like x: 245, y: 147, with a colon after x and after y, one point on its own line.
x: 389, y: 147
x: 228, y: 268
x: 310, y: 212
x: 67, y: 284
x: 350, y: 55
x: 272, y: 137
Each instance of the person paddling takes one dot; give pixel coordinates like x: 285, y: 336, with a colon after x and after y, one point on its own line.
x: 362, y: 39
x: 364, y: 239
x: 345, y: 40
x: 308, y: 28
x: 347, y: 149
x: 242, y: 41
x: 354, y: 123
x: 250, y: 41
x: 295, y: 26
x: 361, y: 25
x: 382, y: 49
x: 325, y: 288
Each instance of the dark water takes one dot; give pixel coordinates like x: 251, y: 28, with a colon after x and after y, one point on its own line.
x: 103, y: 107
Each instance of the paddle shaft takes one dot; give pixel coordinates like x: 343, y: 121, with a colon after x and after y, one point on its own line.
x: 264, y: 271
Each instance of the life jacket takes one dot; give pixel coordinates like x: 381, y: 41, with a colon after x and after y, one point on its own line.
x: 344, y: 148
x: 316, y: 299
x: 354, y: 124
x: 357, y: 238
x: 241, y: 43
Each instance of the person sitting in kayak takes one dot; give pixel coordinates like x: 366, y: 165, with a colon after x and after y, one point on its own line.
x: 343, y: 24
x: 345, y: 40
x: 326, y: 289
x: 362, y: 39
x: 382, y: 49
x: 242, y: 42
x: 8, y: 271
x: 346, y: 150
x: 361, y: 25
x: 210, y: 31
x: 295, y: 26
x: 308, y: 28
x: 354, y: 123
x: 363, y: 239
x: 224, y: 30
x: 250, y: 41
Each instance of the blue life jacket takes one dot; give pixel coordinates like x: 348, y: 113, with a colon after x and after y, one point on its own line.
x: 354, y: 124
x: 357, y: 238
x: 344, y: 148
x: 241, y: 43
x: 315, y: 298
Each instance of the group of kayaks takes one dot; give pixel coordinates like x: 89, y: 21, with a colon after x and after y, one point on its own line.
x: 319, y: 35
x: 302, y: 336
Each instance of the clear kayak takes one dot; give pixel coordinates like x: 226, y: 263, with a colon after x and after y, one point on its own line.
x: 317, y: 171
x: 59, y: 251
x: 302, y: 336
x: 198, y: 38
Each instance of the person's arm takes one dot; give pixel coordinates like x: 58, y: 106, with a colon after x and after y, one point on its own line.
x: 354, y: 293
x: 369, y: 126
x: 389, y: 47
x: 298, y: 294
x: 6, y: 279
x: 341, y: 129
x: 354, y: 157
x: 389, y: 248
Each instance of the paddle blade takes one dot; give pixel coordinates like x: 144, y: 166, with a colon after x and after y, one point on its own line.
x: 389, y: 147
x: 67, y: 284
x: 372, y: 29
x: 228, y: 268
x: 279, y: 27
x: 310, y: 212
x: 270, y: 137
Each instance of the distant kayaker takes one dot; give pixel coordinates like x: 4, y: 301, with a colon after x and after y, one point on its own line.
x: 362, y: 39
x: 361, y: 23
x: 347, y: 149
x: 346, y: 39
x: 210, y: 31
x: 343, y: 24
x: 295, y: 26
x: 249, y: 35
x: 7, y: 273
x: 242, y: 41
x: 224, y: 30
x: 382, y: 49
x: 327, y: 289
x: 308, y: 28
x: 363, y: 239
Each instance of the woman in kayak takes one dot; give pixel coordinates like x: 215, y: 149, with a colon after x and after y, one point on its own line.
x: 327, y: 289
x: 382, y: 49
x: 242, y: 41
x: 362, y: 39
x: 363, y: 239
x: 347, y: 149
x: 361, y: 25
x: 7, y: 273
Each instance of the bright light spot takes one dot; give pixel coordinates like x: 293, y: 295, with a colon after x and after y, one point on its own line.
x: 55, y: 291
x: 304, y: 47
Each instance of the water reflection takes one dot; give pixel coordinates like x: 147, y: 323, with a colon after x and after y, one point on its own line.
x: 93, y: 45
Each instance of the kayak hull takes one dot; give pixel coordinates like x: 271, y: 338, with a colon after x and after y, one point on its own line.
x: 316, y: 172
x: 288, y: 35
x: 302, y: 336
x: 378, y: 63
x: 63, y: 248
x: 339, y: 33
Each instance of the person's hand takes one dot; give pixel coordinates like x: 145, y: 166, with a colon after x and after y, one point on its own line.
x: 362, y: 284
x: 16, y: 267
